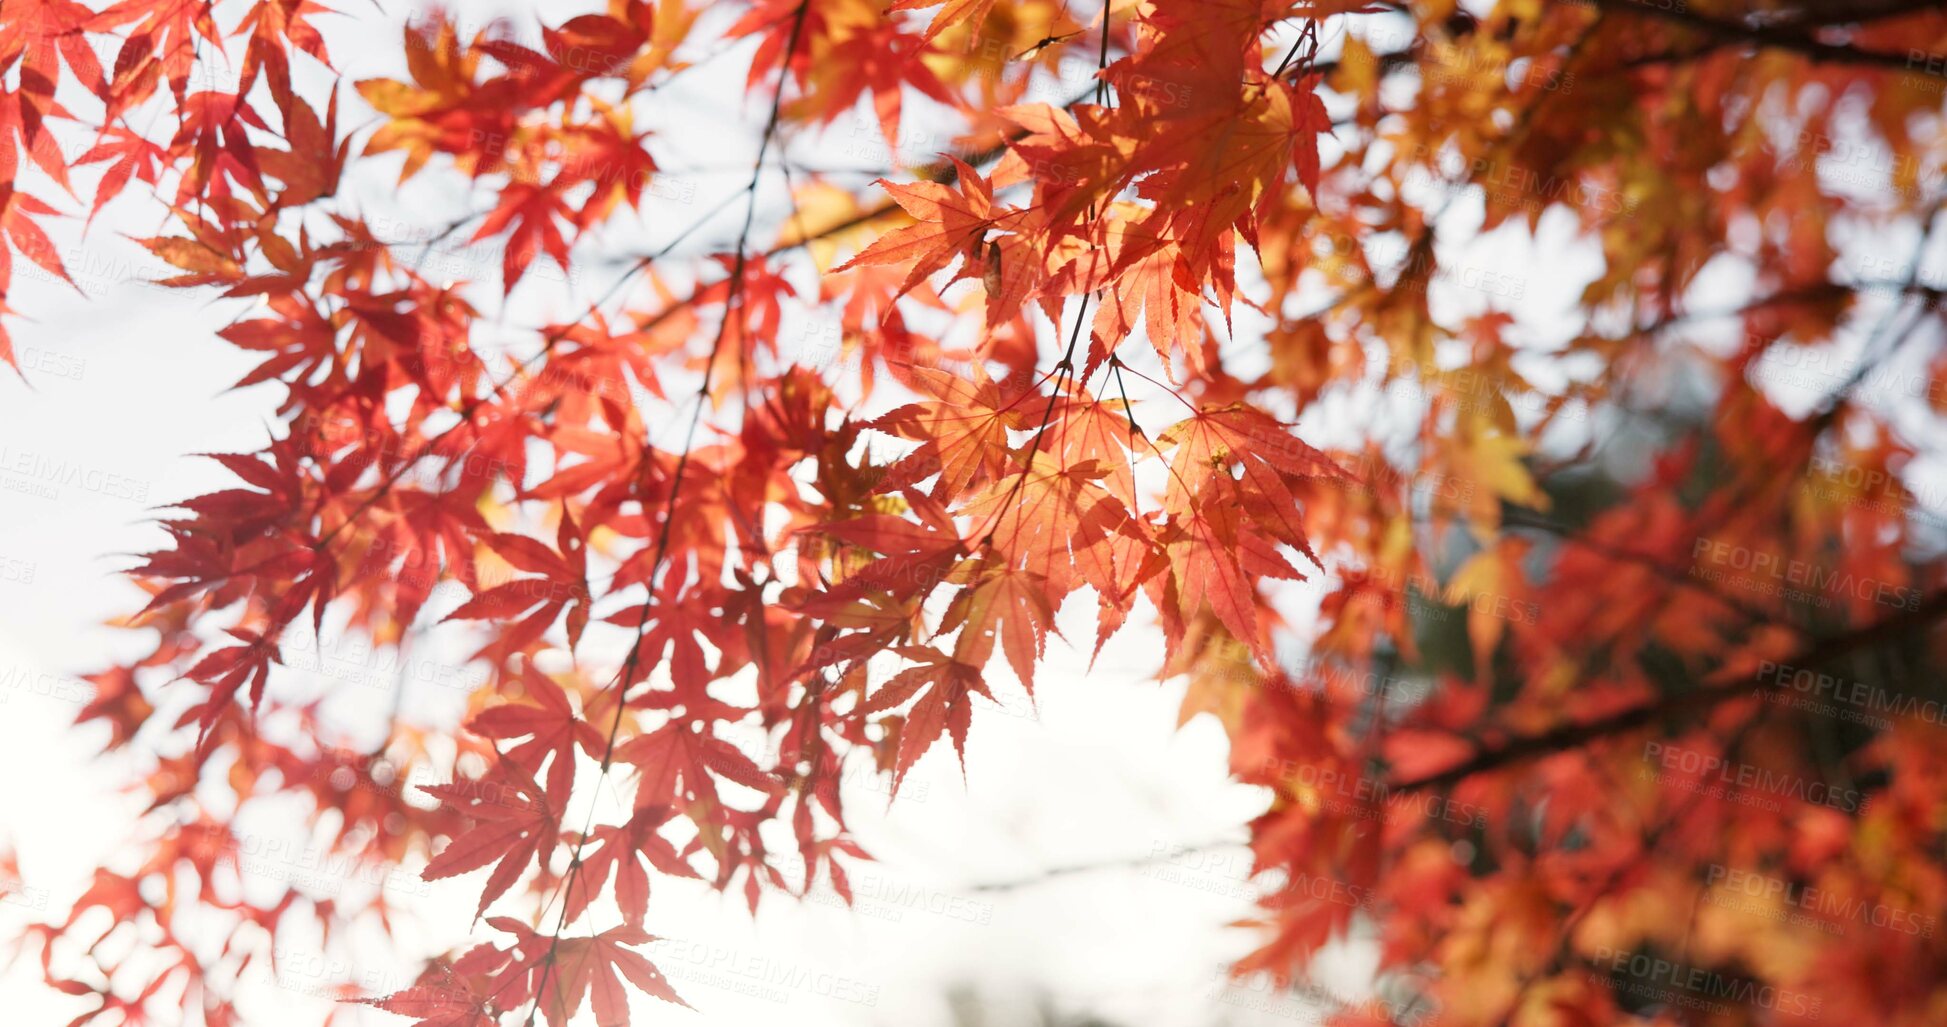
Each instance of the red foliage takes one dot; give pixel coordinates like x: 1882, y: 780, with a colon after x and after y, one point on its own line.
x: 676, y: 524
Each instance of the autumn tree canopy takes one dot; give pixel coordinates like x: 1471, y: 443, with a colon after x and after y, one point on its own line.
x: 1517, y: 422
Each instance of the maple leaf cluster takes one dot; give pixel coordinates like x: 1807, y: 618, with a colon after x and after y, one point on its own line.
x: 1083, y: 341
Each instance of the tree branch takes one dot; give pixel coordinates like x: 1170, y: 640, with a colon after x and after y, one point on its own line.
x: 1498, y: 749
x: 1774, y: 37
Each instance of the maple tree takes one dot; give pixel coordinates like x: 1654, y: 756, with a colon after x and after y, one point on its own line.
x: 1199, y: 338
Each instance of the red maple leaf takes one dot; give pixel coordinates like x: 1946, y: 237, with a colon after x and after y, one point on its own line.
x: 515, y: 821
